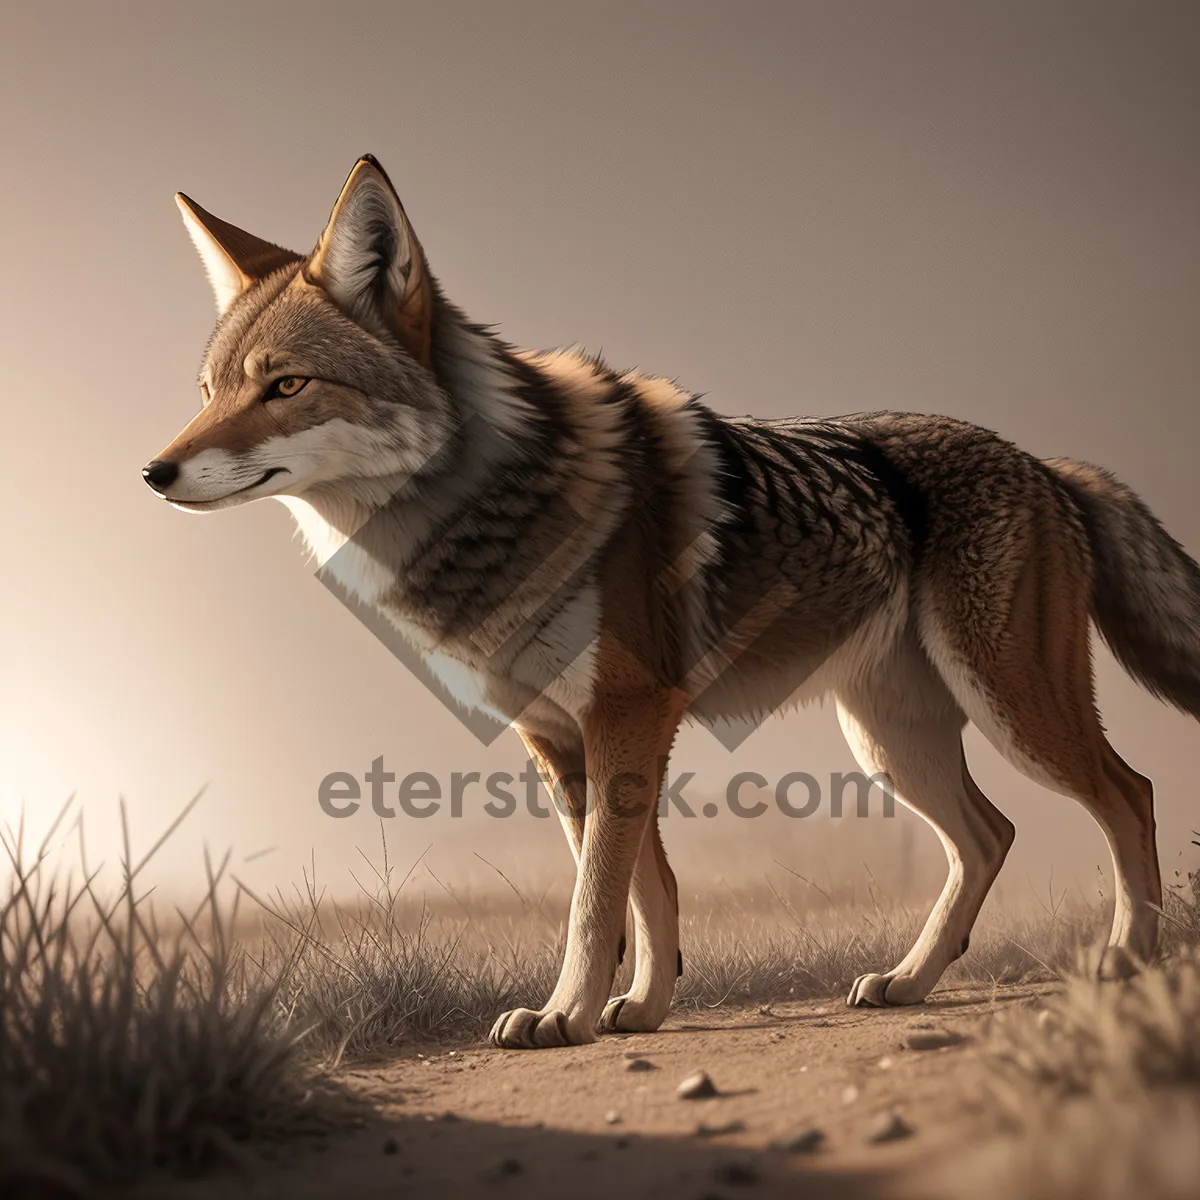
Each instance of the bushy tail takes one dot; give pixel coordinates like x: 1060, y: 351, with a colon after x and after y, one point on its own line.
x: 1146, y: 591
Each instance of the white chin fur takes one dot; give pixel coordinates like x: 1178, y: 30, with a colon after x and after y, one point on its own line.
x: 203, y: 506
x: 269, y: 487
x: 333, y: 450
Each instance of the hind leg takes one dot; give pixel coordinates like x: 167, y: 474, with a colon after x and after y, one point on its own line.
x: 1031, y: 693
x: 1064, y: 748
x: 1128, y: 825
x: 907, y: 725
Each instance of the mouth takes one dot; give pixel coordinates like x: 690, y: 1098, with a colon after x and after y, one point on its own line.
x: 221, y: 501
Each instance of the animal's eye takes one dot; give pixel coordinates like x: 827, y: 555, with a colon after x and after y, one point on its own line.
x: 205, y: 395
x: 289, y: 385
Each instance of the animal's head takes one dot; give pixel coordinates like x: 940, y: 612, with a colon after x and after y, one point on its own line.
x: 318, y: 372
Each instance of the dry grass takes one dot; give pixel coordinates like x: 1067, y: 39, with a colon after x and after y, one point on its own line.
x: 386, y: 968
x: 123, y: 1049
x: 127, y: 1045
x: 1105, y: 1041
x: 1101, y: 1088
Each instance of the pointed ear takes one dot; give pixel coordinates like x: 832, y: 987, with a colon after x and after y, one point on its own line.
x: 233, y: 258
x: 370, y: 263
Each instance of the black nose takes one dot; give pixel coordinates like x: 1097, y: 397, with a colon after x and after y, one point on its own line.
x: 160, y: 475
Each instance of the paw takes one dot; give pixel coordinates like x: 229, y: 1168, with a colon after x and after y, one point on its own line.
x: 884, y: 991
x: 530, y: 1029
x: 624, y: 1014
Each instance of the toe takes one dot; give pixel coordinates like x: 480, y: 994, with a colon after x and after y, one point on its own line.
x: 611, y: 1014
x: 633, y: 1014
x: 514, y: 1030
x: 525, y: 1029
x: 886, y: 991
x: 551, y: 1030
x: 869, y: 991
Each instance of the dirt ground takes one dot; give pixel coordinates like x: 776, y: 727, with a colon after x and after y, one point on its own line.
x: 473, y: 1121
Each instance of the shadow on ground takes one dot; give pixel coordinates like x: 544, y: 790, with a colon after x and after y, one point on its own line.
x: 462, y: 1158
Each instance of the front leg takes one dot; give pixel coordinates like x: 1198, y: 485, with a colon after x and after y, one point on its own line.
x: 657, y: 961
x: 627, y: 736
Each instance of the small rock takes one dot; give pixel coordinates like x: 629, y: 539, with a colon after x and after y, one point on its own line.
x: 640, y: 1064
x: 803, y: 1141
x: 737, y: 1171
x: 706, y: 1131
x: 449, y: 1116
x: 764, y: 1010
x: 697, y: 1086
x: 612, y: 1117
x: 931, y: 1039
x: 888, y: 1127
x: 849, y: 1094
x: 886, y: 1062
x: 510, y: 1166
x: 391, y: 1146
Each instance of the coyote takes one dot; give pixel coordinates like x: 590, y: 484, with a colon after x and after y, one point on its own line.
x: 596, y: 555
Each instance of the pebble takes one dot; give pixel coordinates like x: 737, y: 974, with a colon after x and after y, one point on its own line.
x: 639, y: 1064
x: 931, y: 1039
x: 849, y: 1094
x: 612, y: 1117
x: 888, y: 1127
x: 706, y: 1131
x: 803, y: 1141
x: 697, y: 1086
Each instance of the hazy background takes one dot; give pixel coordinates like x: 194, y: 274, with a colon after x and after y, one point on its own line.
x: 987, y: 210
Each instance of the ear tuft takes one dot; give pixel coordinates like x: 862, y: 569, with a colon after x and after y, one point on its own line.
x: 234, y: 259
x: 370, y: 263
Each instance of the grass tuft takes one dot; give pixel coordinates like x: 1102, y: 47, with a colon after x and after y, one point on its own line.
x: 1101, y: 1087
x: 123, y: 1049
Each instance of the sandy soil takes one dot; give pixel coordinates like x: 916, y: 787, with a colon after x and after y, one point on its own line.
x: 579, y: 1122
